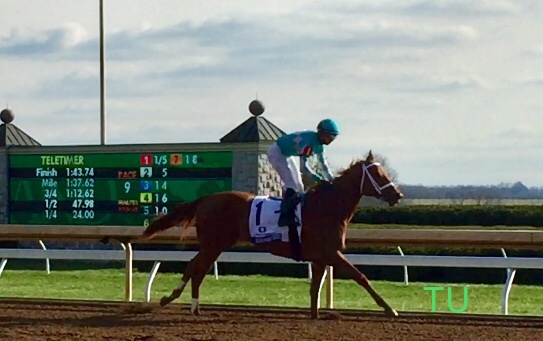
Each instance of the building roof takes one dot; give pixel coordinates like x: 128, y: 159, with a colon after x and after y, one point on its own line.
x: 254, y: 129
x: 11, y: 135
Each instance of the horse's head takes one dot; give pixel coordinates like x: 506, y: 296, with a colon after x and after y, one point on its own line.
x: 376, y: 183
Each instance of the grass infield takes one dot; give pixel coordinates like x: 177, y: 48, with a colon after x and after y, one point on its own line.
x: 108, y: 284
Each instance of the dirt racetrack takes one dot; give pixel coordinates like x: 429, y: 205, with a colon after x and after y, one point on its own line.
x: 70, y: 320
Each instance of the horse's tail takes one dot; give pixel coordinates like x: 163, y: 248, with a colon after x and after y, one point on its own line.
x: 183, y: 214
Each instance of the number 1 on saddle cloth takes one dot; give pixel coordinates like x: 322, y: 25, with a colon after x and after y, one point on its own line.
x: 262, y: 228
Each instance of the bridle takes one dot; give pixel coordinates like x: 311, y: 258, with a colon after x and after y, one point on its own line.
x: 378, y: 189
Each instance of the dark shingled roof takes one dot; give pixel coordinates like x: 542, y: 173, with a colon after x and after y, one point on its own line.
x: 11, y: 135
x: 254, y: 129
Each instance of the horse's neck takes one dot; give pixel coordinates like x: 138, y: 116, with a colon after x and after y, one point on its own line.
x: 344, y: 199
x: 347, y: 196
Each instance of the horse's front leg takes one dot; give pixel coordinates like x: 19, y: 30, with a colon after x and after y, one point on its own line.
x: 189, y: 272
x: 318, y: 270
x: 344, y: 265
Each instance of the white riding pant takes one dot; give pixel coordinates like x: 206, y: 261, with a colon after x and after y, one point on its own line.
x: 287, y: 167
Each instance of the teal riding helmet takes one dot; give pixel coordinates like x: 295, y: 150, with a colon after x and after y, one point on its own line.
x: 328, y: 126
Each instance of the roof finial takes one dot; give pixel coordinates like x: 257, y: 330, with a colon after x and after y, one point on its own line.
x: 256, y: 107
x: 7, y: 116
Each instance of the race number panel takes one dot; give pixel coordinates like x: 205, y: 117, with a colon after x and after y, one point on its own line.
x: 110, y: 188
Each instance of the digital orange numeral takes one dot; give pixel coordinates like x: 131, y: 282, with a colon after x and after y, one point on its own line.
x: 176, y: 159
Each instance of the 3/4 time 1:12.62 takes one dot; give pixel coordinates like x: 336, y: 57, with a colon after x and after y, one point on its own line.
x: 80, y: 193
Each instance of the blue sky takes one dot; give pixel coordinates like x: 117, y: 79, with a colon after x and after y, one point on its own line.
x: 448, y: 90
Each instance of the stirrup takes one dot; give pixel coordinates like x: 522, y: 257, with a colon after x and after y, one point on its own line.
x: 295, y: 244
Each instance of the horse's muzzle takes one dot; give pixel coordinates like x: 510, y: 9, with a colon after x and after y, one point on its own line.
x: 392, y: 198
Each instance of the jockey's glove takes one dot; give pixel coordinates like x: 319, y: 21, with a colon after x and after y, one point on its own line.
x: 326, y: 184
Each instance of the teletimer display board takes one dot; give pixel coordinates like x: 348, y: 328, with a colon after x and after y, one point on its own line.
x: 110, y: 188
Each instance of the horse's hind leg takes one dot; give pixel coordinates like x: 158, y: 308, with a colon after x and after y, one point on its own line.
x: 207, y: 258
x: 344, y: 265
x: 187, y: 275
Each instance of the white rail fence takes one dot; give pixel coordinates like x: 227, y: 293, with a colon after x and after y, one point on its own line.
x: 511, y: 264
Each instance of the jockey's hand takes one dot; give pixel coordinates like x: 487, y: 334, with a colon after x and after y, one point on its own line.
x: 326, y: 184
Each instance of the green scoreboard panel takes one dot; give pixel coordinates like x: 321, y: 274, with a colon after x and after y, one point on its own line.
x: 110, y: 188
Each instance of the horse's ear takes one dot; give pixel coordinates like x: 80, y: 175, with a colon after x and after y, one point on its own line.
x: 370, y: 157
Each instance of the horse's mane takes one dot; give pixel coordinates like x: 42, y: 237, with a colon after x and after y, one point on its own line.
x: 351, y: 166
x: 340, y: 174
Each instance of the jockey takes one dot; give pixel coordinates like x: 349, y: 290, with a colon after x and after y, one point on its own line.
x: 283, y: 157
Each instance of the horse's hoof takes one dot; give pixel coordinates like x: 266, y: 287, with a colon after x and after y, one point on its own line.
x: 391, y: 312
x: 164, y: 301
x: 332, y: 315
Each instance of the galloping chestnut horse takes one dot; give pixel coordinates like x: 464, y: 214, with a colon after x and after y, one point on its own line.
x: 221, y: 221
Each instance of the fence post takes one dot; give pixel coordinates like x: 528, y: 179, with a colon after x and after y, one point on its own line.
x: 128, y: 271
x: 47, y: 263
x: 330, y: 287
x: 405, y: 273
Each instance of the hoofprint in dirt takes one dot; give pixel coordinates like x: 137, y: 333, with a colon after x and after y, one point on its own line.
x: 69, y: 320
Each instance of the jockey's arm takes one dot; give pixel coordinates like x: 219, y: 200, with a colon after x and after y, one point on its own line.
x: 309, y: 170
x: 325, y: 167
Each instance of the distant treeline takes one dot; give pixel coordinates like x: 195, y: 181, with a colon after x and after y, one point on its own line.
x: 516, y: 190
x: 451, y: 215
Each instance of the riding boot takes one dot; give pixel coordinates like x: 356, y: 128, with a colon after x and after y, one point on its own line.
x: 288, y: 218
x: 287, y: 215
